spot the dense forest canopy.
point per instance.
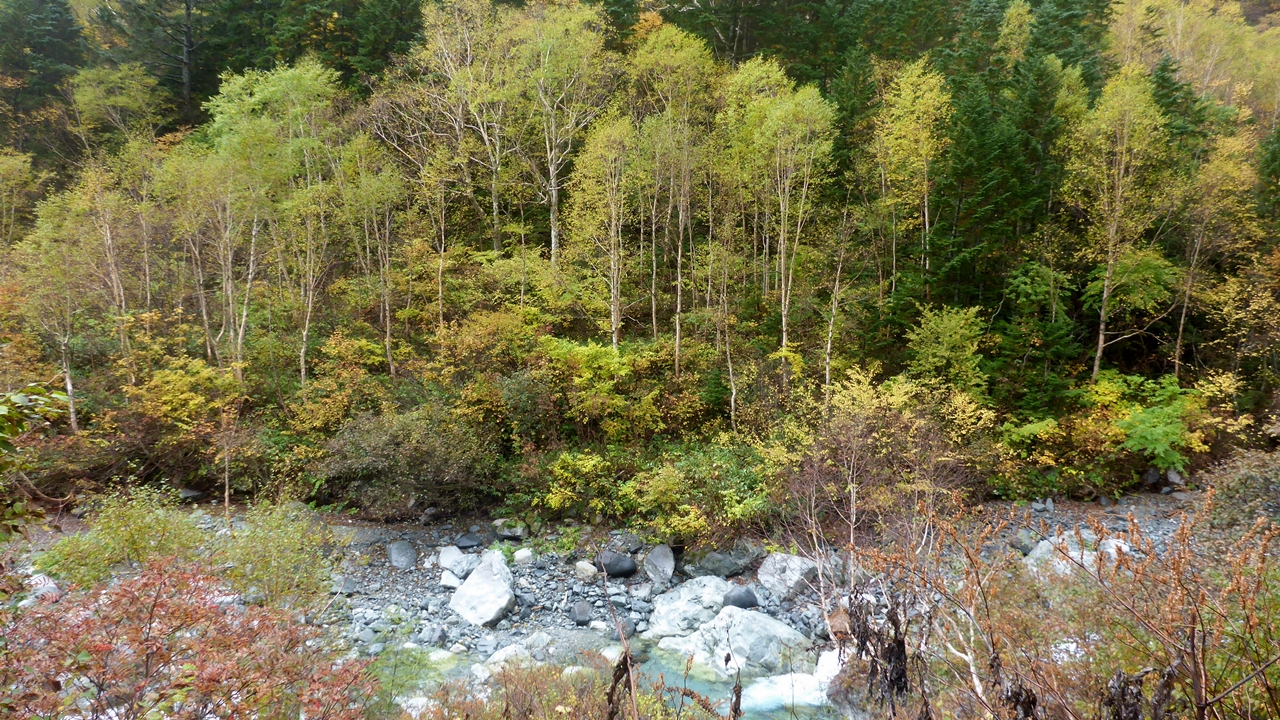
(634, 258)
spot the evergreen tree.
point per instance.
(40, 47)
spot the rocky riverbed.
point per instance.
(466, 597)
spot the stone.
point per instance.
(486, 595)
(449, 580)
(612, 654)
(480, 672)
(776, 692)
(660, 564)
(598, 625)
(1038, 506)
(469, 540)
(402, 555)
(753, 643)
(585, 571)
(786, 575)
(615, 564)
(581, 613)
(513, 654)
(724, 563)
(627, 625)
(343, 586)
(684, 609)
(434, 635)
(366, 635)
(458, 562)
(1151, 478)
(441, 656)
(507, 529)
(642, 592)
(523, 556)
(1048, 504)
(741, 596)
(1175, 478)
(187, 495)
(1024, 542)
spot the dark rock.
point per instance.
(581, 613)
(343, 586)
(466, 541)
(725, 563)
(1167, 490)
(434, 635)
(526, 599)
(741, 596)
(1104, 501)
(615, 564)
(627, 625)
(402, 555)
(1151, 478)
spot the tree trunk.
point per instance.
(72, 418)
(1102, 320)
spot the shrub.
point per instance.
(1125, 423)
(1246, 488)
(164, 644)
(130, 528)
(697, 493)
(390, 464)
(279, 556)
(581, 483)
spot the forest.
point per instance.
(604, 359)
(630, 260)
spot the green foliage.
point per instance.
(702, 493)
(281, 556)
(1124, 424)
(944, 350)
(128, 529)
(582, 483)
(391, 464)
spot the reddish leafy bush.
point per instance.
(170, 643)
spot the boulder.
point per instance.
(724, 563)
(458, 562)
(585, 571)
(752, 642)
(660, 564)
(786, 575)
(511, 654)
(449, 580)
(615, 564)
(523, 556)
(466, 541)
(402, 555)
(581, 613)
(486, 595)
(508, 529)
(741, 596)
(1175, 478)
(682, 610)
(771, 694)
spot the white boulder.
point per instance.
(458, 562)
(682, 610)
(785, 575)
(754, 643)
(486, 595)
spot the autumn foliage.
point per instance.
(171, 642)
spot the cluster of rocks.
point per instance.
(443, 589)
